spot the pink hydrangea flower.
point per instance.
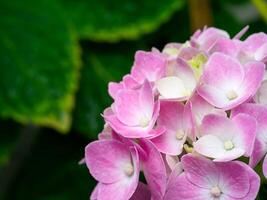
(226, 139)
(134, 113)
(205, 39)
(171, 117)
(226, 83)
(259, 112)
(254, 48)
(200, 108)
(204, 179)
(180, 82)
(115, 166)
(149, 66)
(181, 117)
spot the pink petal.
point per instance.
(183, 71)
(94, 194)
(234, 179)
(201, 108)
(148, 65)
(264, 167)
(254, 181)
(253, 78)
(135, 131)
(170, 117)
(209, 36)
(141, 192)
(106, 160)
(124, 188)
(154, 169)
(226, 46)
(248, 127)
(261, 53)
(200, 171)
(254, 41)
(182, 188)
(223, 72)
(114, 88)
(176, 171)
(133, 106)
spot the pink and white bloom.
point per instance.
(259, 112)
(171, 117)
(149, 66)
(204, 40)
(180, 82)
(115, 166)
(225, 83)
(254, 48)
(204, 179)
(134, 113)
(225, 139)
(200, 108)
(128, 82)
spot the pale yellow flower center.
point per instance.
(215, 191)
(228, 145)
(231, 95)
(128, 169)
(179, 135)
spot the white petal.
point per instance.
(171, 87)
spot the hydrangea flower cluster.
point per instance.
(183, 120)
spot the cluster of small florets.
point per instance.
(186, 117)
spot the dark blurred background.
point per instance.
(56, 58)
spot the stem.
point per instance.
(200, 14)
(23, 148)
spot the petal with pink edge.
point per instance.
(247, 133)
(200, 171)
(108, 160)
(254, 73)
(254, 180)
(209, 36)
(264, 167)
(148, 65)
(142, 192)
(182, 188)
(226, 46)
(254, 41)
(171, 117)
(135, 107)
(124, 188)
(234, 179)
(154, 169)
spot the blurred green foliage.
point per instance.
(56, 59)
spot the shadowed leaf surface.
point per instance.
(39, 64)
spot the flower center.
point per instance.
(231, 95)
(128, 169)
(144, 121)
(179, 135)
(228, 145)
(215, 191)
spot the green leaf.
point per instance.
(101, 65)
(111, 21)
(39, 63)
